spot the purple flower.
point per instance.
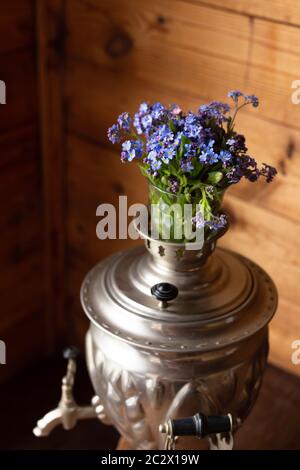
(217, 222)
(114, 133)
(253, 100)
(237, 144)
(269, 172)
(215, 110)
(124, 121)
(175, 109)
(198, 220)
(186, 165)
(230, 142)
(246, 167)
(235, 94)
(234, 175)
(173, 184)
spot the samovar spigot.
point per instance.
(68, 412)
(200, 426)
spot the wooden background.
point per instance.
(21, 206)
(71, 67)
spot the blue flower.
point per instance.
(235, 94)
(186, 165)
(168, 154)
(113, 133)
(225, 156)
(189, 150)
(131, 150)
(144, 108)
(124, 121)
(137, 124)
(164, 133)
(177, 139)
(146, 121)
(158, 111)
(173, 184)
(208, 154)
(192, 126)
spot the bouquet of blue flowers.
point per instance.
(195, 156)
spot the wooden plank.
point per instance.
(21, 226)
(21, 349)
(273, 243)
(203, 71)
(287, 11)
(285, 329)
(21, 290)
(268, 239)
(276, 47)
(21, 99)
(50, 58)
(16, 25)
(114, 32)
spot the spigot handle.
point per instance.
(198, 425)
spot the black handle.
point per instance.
(71, 352)
(200, 425)
(164, 292)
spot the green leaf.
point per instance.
(172, 126)
(214, 177)
(164, 180)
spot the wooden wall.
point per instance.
(71, 66)
(22, 321)
(120, 52)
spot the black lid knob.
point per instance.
(71, 352)
(164, 292)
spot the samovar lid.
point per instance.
(222, 299)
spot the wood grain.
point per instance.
(50, 59)
(203, 64)
(16, 25)
(287, 11)
(21, 97)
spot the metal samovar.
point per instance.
(176, 333)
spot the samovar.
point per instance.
(174, 333)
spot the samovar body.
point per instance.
(204, 351)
